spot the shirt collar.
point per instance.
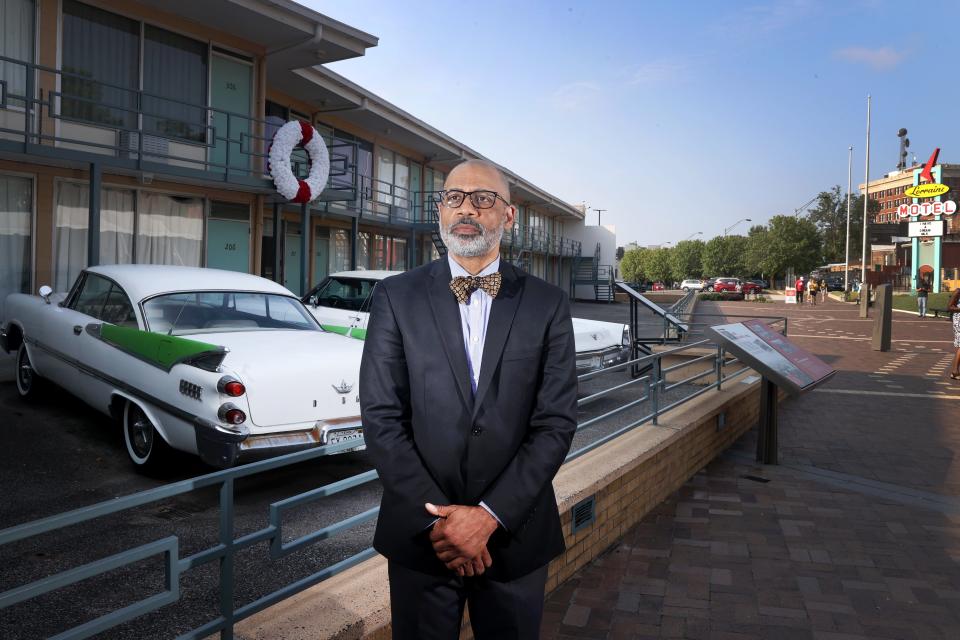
(457, 270)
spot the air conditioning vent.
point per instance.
(129, 141)
(584, 513)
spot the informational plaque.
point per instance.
(790, 295)
(771, 354)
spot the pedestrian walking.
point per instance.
(822, 287)
(813, 292)
(923, 290)
(954, 308)
(799, 287)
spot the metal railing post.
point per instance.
(28, 107)
(719, 366)
(654, 389)
(226, 562)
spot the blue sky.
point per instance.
(674, 117)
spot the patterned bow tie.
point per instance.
(464, 286)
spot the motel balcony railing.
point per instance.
(54, 115)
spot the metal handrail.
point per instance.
(240, 136)
(228, 546)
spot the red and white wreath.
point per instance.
(290, 136)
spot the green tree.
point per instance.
(725, 256)
(631, 266)
(830, 217)
(758, 252)
(790, 242)
(686, 260)
(657, 264)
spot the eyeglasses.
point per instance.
(454, 198)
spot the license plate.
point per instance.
(346, 435)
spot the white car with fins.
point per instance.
(221, 364)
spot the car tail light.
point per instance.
(231, 386)
(231, 414)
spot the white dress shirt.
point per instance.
(474, 317)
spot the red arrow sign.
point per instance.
(925, 174)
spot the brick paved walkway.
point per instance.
(856, 535)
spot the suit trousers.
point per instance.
(428, 607)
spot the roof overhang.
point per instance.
(293, 35)
(337, 95)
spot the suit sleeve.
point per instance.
(552, 424)
(386, 413)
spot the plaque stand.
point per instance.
(767, 427)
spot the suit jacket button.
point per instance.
(476, 431)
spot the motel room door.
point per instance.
(231, 91)
(291, 257)
(228, 237)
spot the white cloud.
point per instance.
(880, 59)
(576, 96)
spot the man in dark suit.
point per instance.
(468, 397)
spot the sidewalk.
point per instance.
(855, 535)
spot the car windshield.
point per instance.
(350, 294)
(217, 311)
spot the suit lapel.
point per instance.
(502, 312)
(449, 326)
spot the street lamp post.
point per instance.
(599, 211)
(735, 224)
(846, 259)
(698, 233)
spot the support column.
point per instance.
(354, 237)
(304, 247)
(93, 218)
(277, 244)
(412, 254)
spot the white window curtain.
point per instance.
(116, 230)
(340, 253)
(16, 224)
(16, 41)
(169, 230)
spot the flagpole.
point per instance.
(846, 246)
(866, 202)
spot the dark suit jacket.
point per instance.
(432, 440)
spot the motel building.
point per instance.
(138, 131)
(912, 238)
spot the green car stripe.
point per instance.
(158, 349)
(332, 328)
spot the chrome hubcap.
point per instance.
(25, 373)
(141, 434)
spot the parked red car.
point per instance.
(735, 285)
(657, 286)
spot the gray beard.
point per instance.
(471, 246)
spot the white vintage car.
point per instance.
(221, 364)
(341, 304)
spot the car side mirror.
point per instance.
(45, 292)
(314, 300)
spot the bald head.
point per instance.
(471, 175)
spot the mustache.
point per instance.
(465, 221)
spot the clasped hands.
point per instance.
(460, 535)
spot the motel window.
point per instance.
(70, 237)
(142, 228)
(392, 185)
(174, 73)
(103, 47)
(17, 42)
(102, 54)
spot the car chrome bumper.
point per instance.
(602, 358)
(222, 446)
